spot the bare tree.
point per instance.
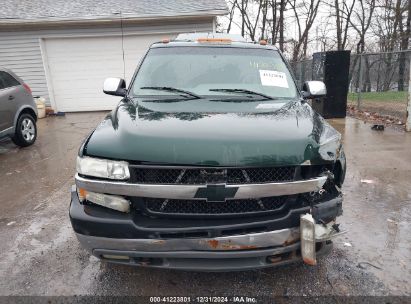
(249, 21)
(264, 8)
(273, 23)
(347, 25)
(393, 35)
(362, 21)
(343, 13)
(276, 24)
(258, 19)
(233, 5)
(244, 4)
(281, 24)
(305, 13)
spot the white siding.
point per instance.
(22, 54)
(79, 66)
(20, 50)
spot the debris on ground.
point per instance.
(11, 223)
(49, 111)
(377, 127)
(346, 244)
(362, 265)
(367, 181)
(38, 206)
(374, 117)
(57, 114)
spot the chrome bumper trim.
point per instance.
(275, 238)
(188, 192)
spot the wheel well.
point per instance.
(30, 112)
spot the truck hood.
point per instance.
(211, 133)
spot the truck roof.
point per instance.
(211, 39)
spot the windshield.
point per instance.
(209, 71)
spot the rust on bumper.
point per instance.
(276, 238)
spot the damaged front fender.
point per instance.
(340, 168)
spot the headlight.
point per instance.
(103, 168)
(330, 146)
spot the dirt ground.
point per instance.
(40, 254)
(393, 112)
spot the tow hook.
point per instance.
(311, 233)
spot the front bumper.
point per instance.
(135, 252)
(231, 245)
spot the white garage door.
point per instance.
(78, 67)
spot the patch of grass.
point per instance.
(390, 96)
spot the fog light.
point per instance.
(115, 257)
(109, 201)
(307, 230)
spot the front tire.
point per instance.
(26, 131)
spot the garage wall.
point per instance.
(20, 50)
(77, 68)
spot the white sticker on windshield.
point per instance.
(273, 79)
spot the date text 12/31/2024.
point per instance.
(203, 299)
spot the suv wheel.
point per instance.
(26, 131)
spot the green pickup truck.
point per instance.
(212, 161)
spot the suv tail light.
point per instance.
(27, 88)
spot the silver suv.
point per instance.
(18, 111)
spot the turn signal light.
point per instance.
(105, 200)
(82, 194)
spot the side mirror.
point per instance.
(115, 86)
(314, 89)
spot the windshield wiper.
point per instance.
(243, 91)
(170, 89)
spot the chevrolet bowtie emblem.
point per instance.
(216, 193)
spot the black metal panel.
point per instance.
(199, 176)
(332, 68)
(238, 207)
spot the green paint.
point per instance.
(216, 130)
(216, 137)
